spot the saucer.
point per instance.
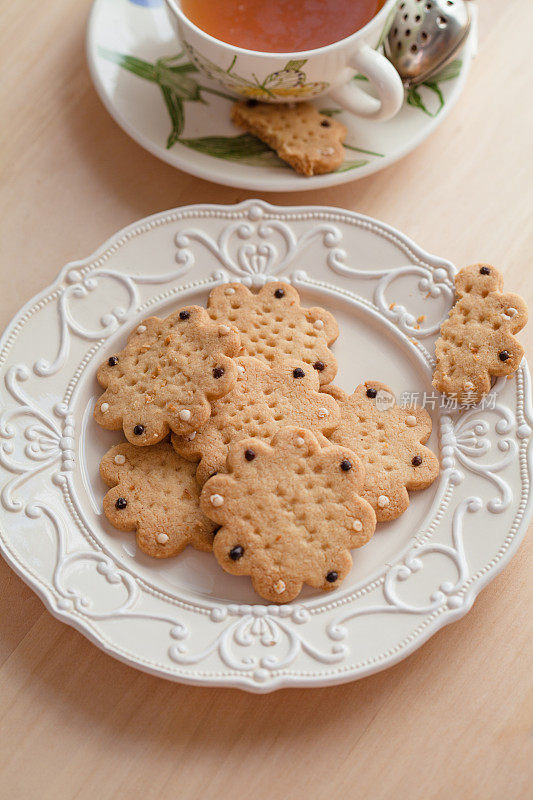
(148, 85)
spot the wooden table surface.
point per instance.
(451, 721)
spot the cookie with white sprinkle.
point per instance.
(477, 341)
(263, 400)
(389, 439)
(167, 375)
(273, 325)
(154, 492)
(290, 512)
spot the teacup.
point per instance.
(294, 77)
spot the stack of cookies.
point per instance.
(238, 442)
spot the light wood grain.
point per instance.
(451, 721)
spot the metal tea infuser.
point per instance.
(425, 35)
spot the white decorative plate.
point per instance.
(185, 618)
(149, 87)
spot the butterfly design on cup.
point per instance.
(291, 81)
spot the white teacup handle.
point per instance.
(382, 75)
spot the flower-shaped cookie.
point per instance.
(477, 340)
(155, 493)
(290, 512)
(273, 325)
(389, 441)
(166, 375)
(263, 400)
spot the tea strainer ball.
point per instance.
(425, 35)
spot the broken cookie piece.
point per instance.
(309, 141)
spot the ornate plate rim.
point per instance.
(240, 681)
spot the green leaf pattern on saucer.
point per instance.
(423, 100)
(179, 82)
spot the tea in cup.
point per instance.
(286, 52)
